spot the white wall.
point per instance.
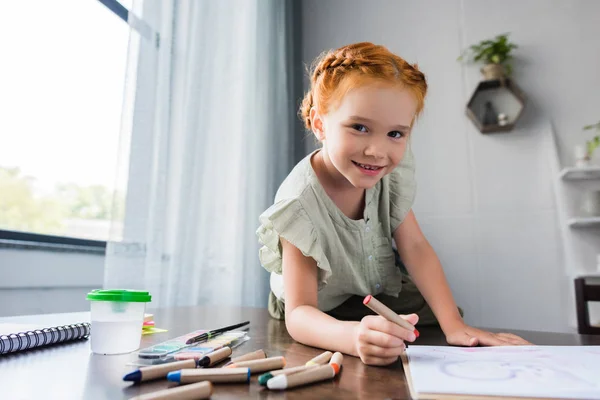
(486, 202)
(41, 282)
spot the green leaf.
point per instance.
(495, 50)
(592, 145)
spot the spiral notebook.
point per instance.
(18, 337)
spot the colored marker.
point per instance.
(264, 378)
(256, 366)
(205, 360)
(388, 314)
(337, 359)
(313, 375)
(158, 371)
(255, 355)
(216, 356)
(200, 390)
(214, 375)
(321, 359)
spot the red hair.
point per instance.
(335, 72)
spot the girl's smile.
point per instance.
(369, 170)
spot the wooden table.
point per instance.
(71, 371)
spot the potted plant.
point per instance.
(592, 144)
(495, 54)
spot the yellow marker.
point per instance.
(320, 359)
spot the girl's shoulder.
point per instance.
(296, 205)
(297, 181)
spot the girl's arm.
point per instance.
(375, 340)
(426, 270)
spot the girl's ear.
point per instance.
(316, 122)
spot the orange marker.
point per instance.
(336, 360)
(256, 366)
(255, 355)
(388, 314)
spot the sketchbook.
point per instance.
(541, 372)
(16, 337)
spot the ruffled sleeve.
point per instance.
(403, 188)
(288, 219)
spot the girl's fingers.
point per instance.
(378, 323)
(473, 337)
(381, 339)
(411, 318)
(490, 339)
(462, 338)
(513, 339)
(369, 350)
(379, 360)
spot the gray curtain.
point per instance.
(209, 132)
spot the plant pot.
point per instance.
(493, 71)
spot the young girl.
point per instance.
(327, 240)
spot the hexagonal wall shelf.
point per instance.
(493, 98)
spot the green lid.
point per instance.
(136, 296)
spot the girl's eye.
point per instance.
(396, 134)
(359, 127)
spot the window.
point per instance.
(62, 80)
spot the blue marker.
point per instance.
(158, 371)
(161, 371)
(215, 375)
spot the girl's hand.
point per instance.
(465, 335)
(378, 341)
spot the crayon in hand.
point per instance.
(388, 314)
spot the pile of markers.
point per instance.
(196, 376)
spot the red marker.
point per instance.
(388, 314)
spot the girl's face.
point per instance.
(366, 136)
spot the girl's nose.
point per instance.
(375, 151)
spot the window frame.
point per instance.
(31, 240)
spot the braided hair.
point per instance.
(353, 65)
